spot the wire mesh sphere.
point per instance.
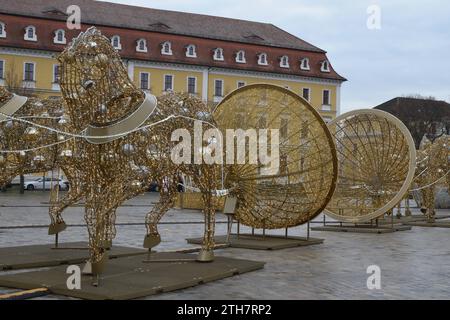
(377, 160)
(299, 180)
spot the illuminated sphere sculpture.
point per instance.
(377, 160)
(301, 180)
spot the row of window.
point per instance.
(191, 84)
(166, 49)
(29, 74)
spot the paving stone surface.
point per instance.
(414, 264)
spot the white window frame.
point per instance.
(29, 84)
(309, 94)
(240, 81)
(138, 45)
(302, 62)
(326, 107)
(195, 84)
(325, 66)
(216, 56)
(164, 83)
(26, 38)
(55, 38)
(119, 44)
(140, 81)
(3, 33)
(218, 98)
(284, 62)
(34, 71)
(194, 51)
(2, 75)
(243, 60)
(163, 46)
(55, 85)
(260, 58)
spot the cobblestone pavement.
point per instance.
(414, 264)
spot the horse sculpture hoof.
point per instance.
(95, 268)
(57, 228)
(205, 256)
(152, 240)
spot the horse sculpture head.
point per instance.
(95, 82)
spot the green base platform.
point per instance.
(37, 256)
(425, 224)
(133, 277)
(259, 242)
(362, 229)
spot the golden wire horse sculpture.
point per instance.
(433, 169)
(35, 149)
(115, 123)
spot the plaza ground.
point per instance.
(414, 264)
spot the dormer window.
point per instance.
(325, 66)
(141, 45)
(304, 64)
(30, 33)
(2, 30)
(262, 59)
(166, 48)
(218, 54)
(191, 51)
(60, 37)
(115, 41)
(284, 62)
(240, 57)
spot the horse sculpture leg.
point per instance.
(207, 252)
(166, 201)
(153, 238)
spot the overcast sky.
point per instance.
(410, 54)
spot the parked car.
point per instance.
(41, 183)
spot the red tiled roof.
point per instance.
(156, 26)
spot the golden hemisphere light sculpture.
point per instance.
(377, 160)
(300, 187)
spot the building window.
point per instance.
(284, 129)
(192, 85)
(2, 69)
(304, 64)
(240, 84)
(262, 59)
(306, 94)
(284, 62)
(2, 30)
(325, 66)
(168, 82)
(166, 48)
(144, 80)
(60, 37)
(326, 98)
(218, 54)
(28, 74)
(30, 33)
(240, 57)
(115, 41)
(191, 51)
(141, 45)
(56, 73)
(218, 88)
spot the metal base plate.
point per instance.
(362, 229)
(258, 242)
(131, 277)
(36, 256)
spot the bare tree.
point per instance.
(15, 84)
